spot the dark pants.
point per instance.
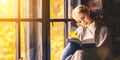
(74, 46)
(69, 49)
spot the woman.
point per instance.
(94, 37)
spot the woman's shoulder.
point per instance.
(102, 28)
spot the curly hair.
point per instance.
(83, 9)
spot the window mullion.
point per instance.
(18, 46)
(45, 30)
(66, 22)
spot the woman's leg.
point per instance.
(70, 49)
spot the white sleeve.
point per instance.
(103, 36)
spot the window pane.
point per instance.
(24, 6)
(33, 40)
(56, 39)
(7, 41)
(39, 8)
(31, 8)
(8, 8)
(56, 8)
(22, 41)
(24, 12)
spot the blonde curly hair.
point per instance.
(85, 10)
(80, 9)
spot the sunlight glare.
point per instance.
(3, 2)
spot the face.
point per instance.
(83, 19)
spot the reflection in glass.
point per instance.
(31, 8)
(39, 9)
(56, 39)
(33, 40)
(24, 12)
(7, 41)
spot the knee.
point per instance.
(79, 53)
(73, 44)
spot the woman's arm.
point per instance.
(103, 36)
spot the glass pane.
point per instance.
(33, 40)
(56, 39)
(56, 8)
(39, 9)
(24, 6)
(31, 8)
(22, 41)
(7, 41)
(8, 9)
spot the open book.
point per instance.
(86, 41)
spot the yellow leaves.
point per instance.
(8, 9)
(57, 31)
(57, 40)
(7, 40)
(56, 8)
(73, 34)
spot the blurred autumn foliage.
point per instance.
(56, 8)
(8, 31)
(7, 41)
(56, 29)
(57, 40)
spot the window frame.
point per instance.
(45, 20)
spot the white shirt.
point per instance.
(86, 35)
